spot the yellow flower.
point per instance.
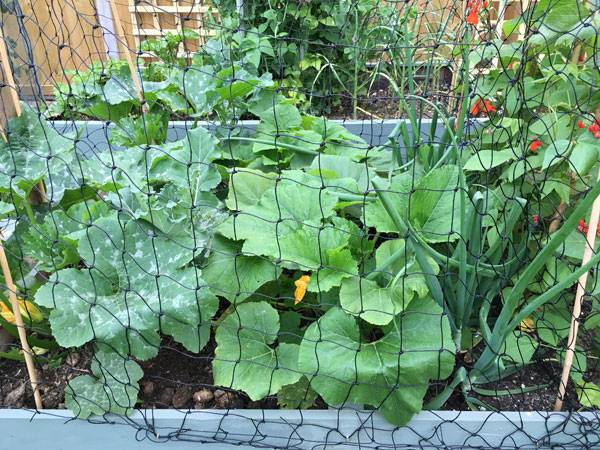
(527, 325)
(301, 286)
(29, 311)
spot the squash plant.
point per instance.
(139, 243)
(441, 243)
(120, 260)
(325, 267)
(208, 88)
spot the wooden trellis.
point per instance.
(156, 18)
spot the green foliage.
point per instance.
(113, 387)
(245, 357)
(331, 46)
(166, 47)
(373, 373)
(36, 152)
(327, 269)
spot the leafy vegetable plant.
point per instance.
(320, 267)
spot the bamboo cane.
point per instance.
(9, 78)
(574, 328)
(14, 97)
(14, 302)
(137, 84)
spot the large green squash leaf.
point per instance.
(400, 191)
(435, 205)
(36, 152)
(189, 225)
(190, 166)
(431, 204)
(246, 358)
(392, 373)
(186, 163)
(289, 224)
(53, 243)
(378, 302)
(132, 288)
(233, 275)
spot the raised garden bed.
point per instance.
(238, 421)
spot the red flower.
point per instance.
(536, 219)
(597, 135)
(580, 124)
(583, 227)
(535, 145)
(482, 107)
(473, 15)
(489, 107)
(594, 128)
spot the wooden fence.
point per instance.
(64, 35)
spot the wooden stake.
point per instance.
(137, 84)
(14, 97)
(9, 78)
(14, 302)
(581, 283)
(12, 289)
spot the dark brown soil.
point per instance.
(511, 394)
(16, 392)
(179, 379)
(381, 102)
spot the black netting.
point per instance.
(303, 223)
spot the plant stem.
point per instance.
(29, 211)
(355, 44)
(507, 320)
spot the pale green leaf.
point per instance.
(485, 160)
(391, 374)
(245, 358)
(583, 157)
(233, 275)
(112, 388)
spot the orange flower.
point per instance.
(473, 15)
(535, 145)
(482, 107)
(301, 287)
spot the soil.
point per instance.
(179, 379)
(381, 102)
(15, 391)
(510, 394)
